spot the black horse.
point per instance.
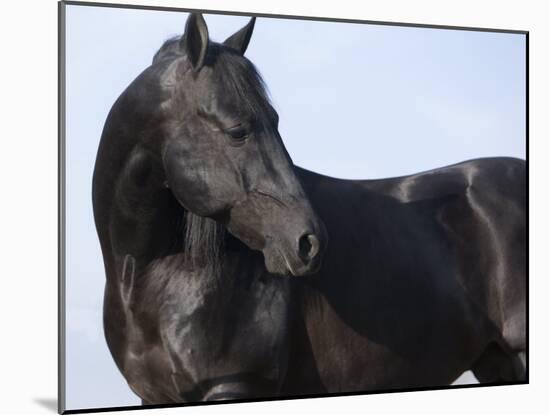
(232, 273)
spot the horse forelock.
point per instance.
(169, 49)
(244, 80)
(236, 74)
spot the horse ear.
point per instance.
(239, 41)
(195, 40)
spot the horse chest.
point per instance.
(211, 331)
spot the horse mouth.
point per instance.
(288, 265)
(294, 268)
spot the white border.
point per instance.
(29, 195)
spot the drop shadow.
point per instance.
(48, 403)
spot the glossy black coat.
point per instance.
(319, 284)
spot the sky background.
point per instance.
(354, 101)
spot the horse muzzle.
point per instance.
(302, 256)
(292, 238)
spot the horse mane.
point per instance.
(203, 243)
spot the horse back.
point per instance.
(438, 252)
(479, 207)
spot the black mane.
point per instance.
(203, 242)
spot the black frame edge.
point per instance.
(292, 17)
(61, 208)
(290, 398)
(527, 201)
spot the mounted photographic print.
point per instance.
(278, 207)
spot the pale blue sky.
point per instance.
(354, 100)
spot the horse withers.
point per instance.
(231, 273)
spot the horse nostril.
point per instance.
(308, 246)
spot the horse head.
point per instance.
(221, 152)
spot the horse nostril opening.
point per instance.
(308, 246)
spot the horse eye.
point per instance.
(237, 133)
